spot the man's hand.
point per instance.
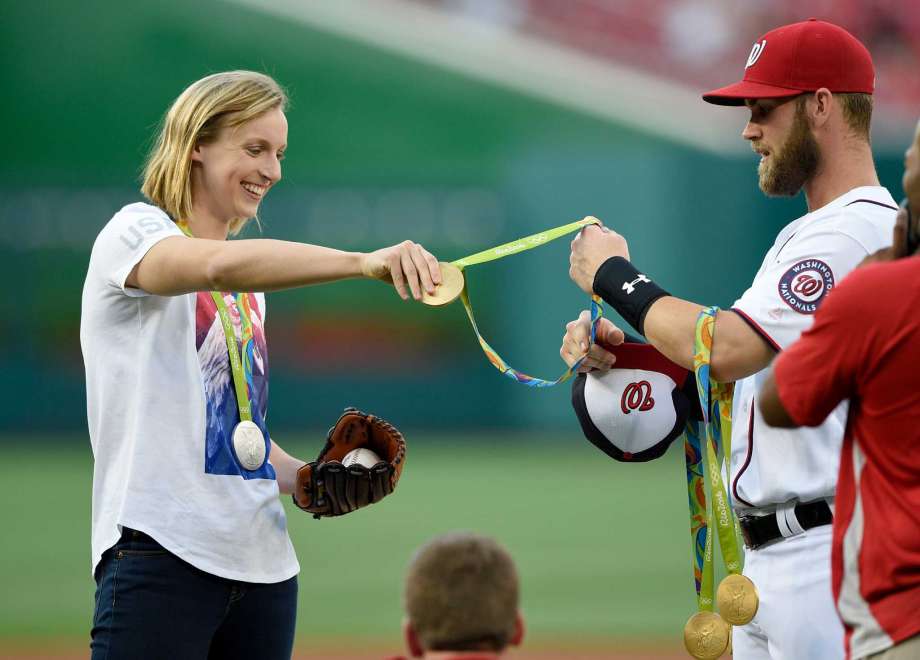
(592, 247)
(578, 335)
(408, 266)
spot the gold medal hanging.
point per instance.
(737, 599)
(706, 635)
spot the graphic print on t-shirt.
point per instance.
(220, 396)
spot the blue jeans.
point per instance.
(151, 604)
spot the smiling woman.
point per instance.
(186, 508)
(228, 113)
(239, 167)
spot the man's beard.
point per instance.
(795, 163)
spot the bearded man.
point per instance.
(808, 88)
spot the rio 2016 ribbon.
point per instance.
(737, 597)
(454, 285)
(710, 442)
(248, 439)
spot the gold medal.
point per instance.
(449, 289)
(706, 635)
(737, 599)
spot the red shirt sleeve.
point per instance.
(819, 370)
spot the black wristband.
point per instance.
(627, 290)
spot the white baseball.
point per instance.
(361, 456)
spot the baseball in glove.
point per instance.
(325, 487)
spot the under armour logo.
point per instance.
(629, 287)
(756, 52)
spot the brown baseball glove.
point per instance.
(325, 487)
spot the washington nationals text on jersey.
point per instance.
(811, 255)
(865, 346)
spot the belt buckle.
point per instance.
(743, 521)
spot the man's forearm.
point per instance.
(669, 323)
(737, 351)
(670, 326)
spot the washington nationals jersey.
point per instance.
(809, 258)
(161, 408)
(865, 346)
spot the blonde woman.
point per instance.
(190, 548)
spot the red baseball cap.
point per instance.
(801, 57)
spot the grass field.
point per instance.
(602, 547)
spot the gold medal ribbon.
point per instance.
(737, 597)
(454, 287)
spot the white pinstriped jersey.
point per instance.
(810, 256)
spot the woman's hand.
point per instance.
(407, 266)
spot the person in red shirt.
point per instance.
(865, 347)
(461, 600)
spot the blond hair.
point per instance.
(462, 594)
(207, 106)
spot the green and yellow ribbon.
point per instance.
(714, 432)
(506, 250)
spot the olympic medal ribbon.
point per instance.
(247, 438)
(518, 376)
(699, 518)
(523, 244)
(247, 336)
(506, 250)
(241, 379)
(737, 597)
(706, 634)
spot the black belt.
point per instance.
(760, 530)
(128, 534)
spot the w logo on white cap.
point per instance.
(756, 52)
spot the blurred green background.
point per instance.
(381, 148)
(602, 548)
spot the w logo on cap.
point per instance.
(637, 396)
(756, 52)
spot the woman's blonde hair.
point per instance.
(206, 107)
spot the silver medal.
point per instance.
(249, 445)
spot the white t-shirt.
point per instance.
(811, 255)
(161, 408)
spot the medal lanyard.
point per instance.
(506, 250)
(241, 368)
(715, 402)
